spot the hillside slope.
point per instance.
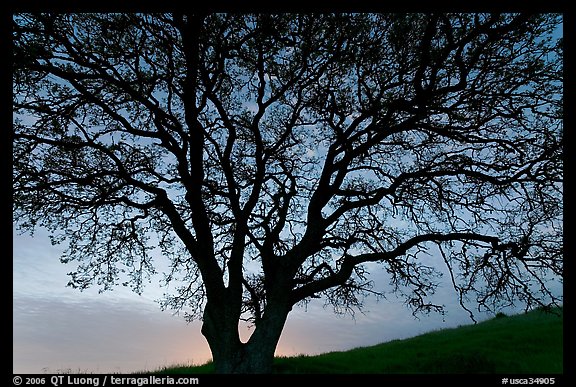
(526, 343)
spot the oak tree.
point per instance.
(265, 160)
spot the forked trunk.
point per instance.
(231, 356)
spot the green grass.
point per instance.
(530, 343)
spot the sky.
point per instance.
(60, 329)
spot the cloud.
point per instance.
(58, 328)
(108, 334)
(100, 336)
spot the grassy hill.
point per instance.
(526, 343)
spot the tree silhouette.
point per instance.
(272, 159)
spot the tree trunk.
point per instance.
(231, 356)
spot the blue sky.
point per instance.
(56, 328)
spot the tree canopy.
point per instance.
(269, 159)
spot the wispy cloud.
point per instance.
(58, 328)
(100, 336)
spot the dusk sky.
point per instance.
(60, 329)
(56, 328)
